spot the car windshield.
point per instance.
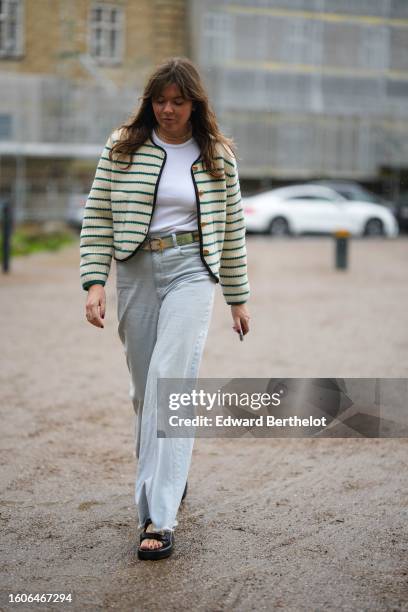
(361, 196)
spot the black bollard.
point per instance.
(6, 223)
(341, 242)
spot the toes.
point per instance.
(151, 544)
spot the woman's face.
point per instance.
(171, 110)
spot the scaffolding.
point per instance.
(308, 88)
(50, 127)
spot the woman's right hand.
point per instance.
(95, 305)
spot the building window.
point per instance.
(106, 33)
(11, 31)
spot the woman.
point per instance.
(166, 204)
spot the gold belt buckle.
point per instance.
(159, 240)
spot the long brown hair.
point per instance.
(182, 72)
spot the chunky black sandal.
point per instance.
(185, 492)
(152, 554)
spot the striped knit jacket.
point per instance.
(120, 205)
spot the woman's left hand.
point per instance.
(240, 315)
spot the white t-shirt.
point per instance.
(175, 209)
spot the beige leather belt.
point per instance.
(164, 242)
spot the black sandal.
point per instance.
(152, 554)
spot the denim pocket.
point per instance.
(189, 249)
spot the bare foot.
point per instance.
(150, 543)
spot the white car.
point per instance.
(75, 209)
(302, 209)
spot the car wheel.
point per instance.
(374, 227)
(279, 227)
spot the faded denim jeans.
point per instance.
(164, 307)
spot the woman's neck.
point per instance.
(171, 138)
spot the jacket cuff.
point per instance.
(86, 286)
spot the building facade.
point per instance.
(308, 88)
(69, 73)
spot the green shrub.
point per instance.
(26, 240)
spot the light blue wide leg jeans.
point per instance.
(165, 301)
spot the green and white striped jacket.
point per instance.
(120, 205)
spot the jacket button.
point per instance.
(201, 192)
(195, 167)
(203, 223)
(205, 251)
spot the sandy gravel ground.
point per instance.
(268, 524)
